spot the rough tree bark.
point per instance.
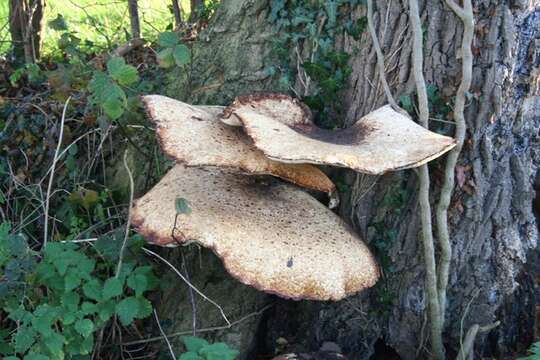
(26, 24)
(493, 227)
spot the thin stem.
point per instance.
(128, 224)
(51, 178)
(425, 207)
(171, 351)
(443, 235)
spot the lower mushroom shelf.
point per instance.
(269, 234)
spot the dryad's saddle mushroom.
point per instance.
(383, 140)
(269, 234)
(193, 135)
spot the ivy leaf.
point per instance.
(84, 327)
(127, 310)
(193, 343)
(58, 24)
(168, 39)
(181, 54)
(120, 71)
(112, 288)
(165, 58)
(182, 206)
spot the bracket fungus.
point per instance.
(269, 234)
(383, 140)
(193, 135)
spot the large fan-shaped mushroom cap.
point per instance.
(383, 140)
(269, 234)
(193, 135)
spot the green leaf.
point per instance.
(24, 339)
(193, 343)
(219, 351)
(138, 283)
(70, 301)
(33, 357)
(181, 54)
(55, 344)
(84, 327)
(93, 289)
(145, 308)
(112, 287)
(168, 39)
(182, 206)
(190, 356)
(406, 102)
(106, 310)
(113, 107)
(165, 58)
(88, 308)
(72, 281)
(121, 72)
(127, 310)
(58, 24)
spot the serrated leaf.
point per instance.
(182, 206)
(33, 357)
(24, 339)
(112, 287)
(193, 343)
(145, 308)
(106, 310)
(168, 39)
(84, 327)
(71, 301)
(72, 281)
(55, 344)
(120, 71)
(138, 283)
(93, 289)
(127, 310)
(113, 107)
(165, 58)
(88, 308)
(181, 54)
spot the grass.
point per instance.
(101, 23)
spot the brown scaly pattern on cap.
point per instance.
(278, 106)
(383, 140)
(270, 235)
(194, 136)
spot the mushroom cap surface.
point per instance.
(193, 135)
(381, 141)
(269, 234)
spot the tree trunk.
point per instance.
(133, 8)
(493, 225)
(177, 14)
(26, 24)
(197, 6)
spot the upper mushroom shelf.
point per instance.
(383, 140)
(193, 135)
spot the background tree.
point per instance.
(26, 24)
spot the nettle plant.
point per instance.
(200, 349)
(58, 298)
